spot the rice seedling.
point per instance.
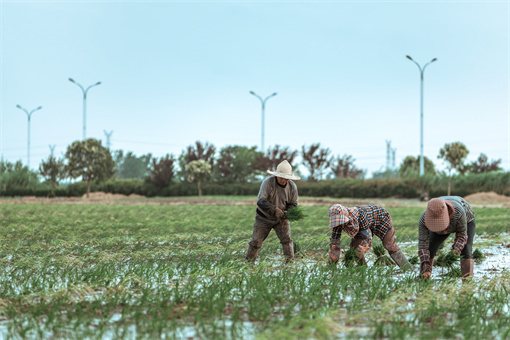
(295, 214)
(350, 259)
(382, 259)
(446, 260)
(477, 254)
(152, 271)
(414, 259)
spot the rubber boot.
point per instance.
(288, 251)
(334, 250)
(401, 260)
(251, 254)
(466, 268)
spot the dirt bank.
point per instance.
(487, 197)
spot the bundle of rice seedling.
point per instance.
(454, 273)
(382, 259)
(477, 254)
(446, 260)
(350, 259)
(295, 214)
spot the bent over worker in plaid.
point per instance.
(446, 215)
(360, 223)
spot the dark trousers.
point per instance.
(435, 241)
(262, 227)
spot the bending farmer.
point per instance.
(443, 216)
(277, 194)
(360, 223)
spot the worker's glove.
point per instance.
(279, 214)
(425, 263)
(425, 275)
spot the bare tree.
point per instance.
(482, 165)
(161, 172)
(316, 160)
(343, 167)
(275, 156)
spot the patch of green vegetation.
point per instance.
(478, 255)
(153, 271)
(295, 214)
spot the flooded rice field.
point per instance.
(178, 272)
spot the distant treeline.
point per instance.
(238, 170)
(498, 182)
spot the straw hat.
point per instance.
(284, 170)
(436, 215)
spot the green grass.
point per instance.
(150, 271)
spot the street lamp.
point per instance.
(263, 102)
(422, 70)
(84, 104)
(29, 115)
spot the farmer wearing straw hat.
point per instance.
(360, 223)
(446, 215)
(278, 193)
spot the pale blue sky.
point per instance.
(176, 72)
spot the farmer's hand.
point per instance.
(279, 214)
(425, 275)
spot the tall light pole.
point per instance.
(422, 70)
(84, 104)
(263, 103)
(29, 115)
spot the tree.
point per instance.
(454, 155)
(482, 165)
(90, 160)
(199, 170)
(275, 156)
(16, 176)
(196, 152)
(161, 173)
(54, 170)
(410, 166)
(316, 160)
(236, 164)
(343, 167)
(131, 166)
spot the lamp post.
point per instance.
(422, 70)
(84, 103)
(263, 103)
(29, 115)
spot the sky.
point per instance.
(176, 72)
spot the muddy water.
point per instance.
(497, 259)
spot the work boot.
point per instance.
(288, 251)
(334, 250)
(466, 268)
(401, 260)
(251, 254)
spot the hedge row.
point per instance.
(355, 188)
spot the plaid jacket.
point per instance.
(462, 215)
(367, 217)
(372, 217)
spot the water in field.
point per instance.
(107, 272)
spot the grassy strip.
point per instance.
(160, 271)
